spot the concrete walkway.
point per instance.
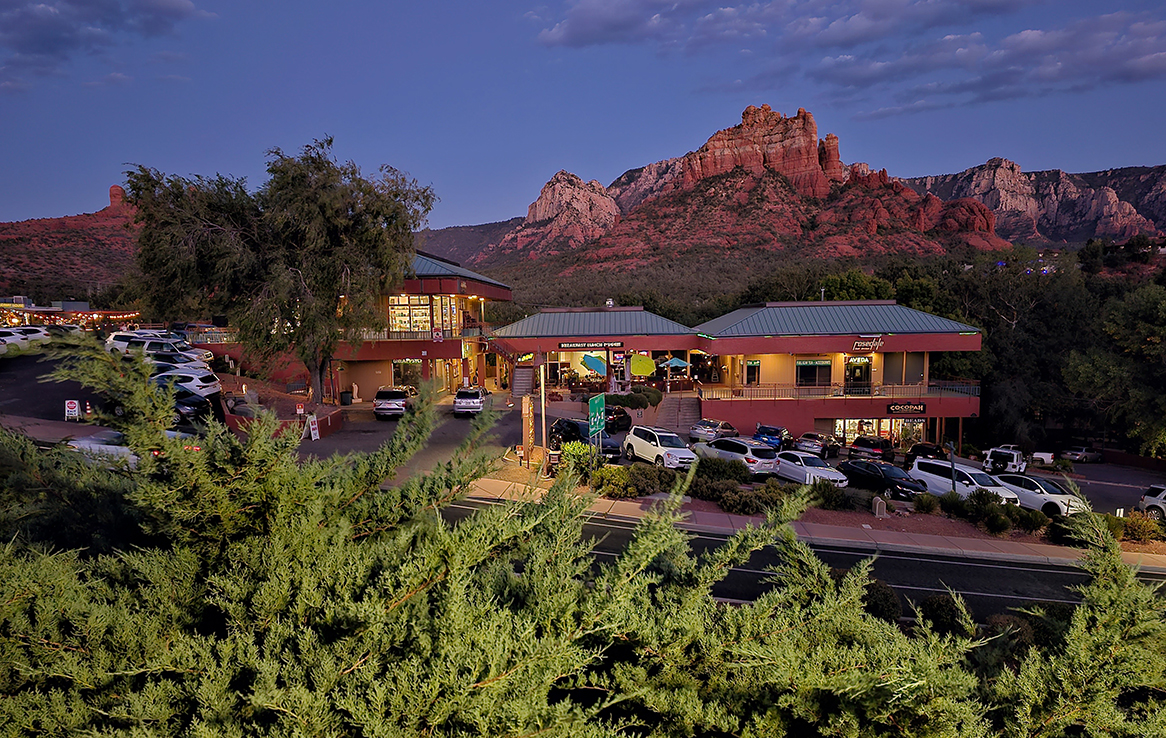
(874, 541)
(47, 431)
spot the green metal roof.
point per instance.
(567, 323)
(425, 265)
(828, 319)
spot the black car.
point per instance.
(616, 419)
(871, 447)
(565, 430)
(924, 450)
(881, 476)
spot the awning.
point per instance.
(675, 363)
(642, 366)
(595, 364)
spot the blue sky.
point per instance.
(485, 101)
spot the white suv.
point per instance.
(659, 446)
(470, 401)
(938, 477)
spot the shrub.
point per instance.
(631, 400)
(1116, 525)
(1015, 631)
(1050, 626)
(926, 503)
(943, 613)
(824, 495)
(954, 505)
(751, 500)
(882, 601)
(650, 480)
(1031, 521)
(1063, 465)
(997, 523)
(981, 504)
(579, 458)
(1060, 532)
(612, 481)
(1012, 512)
(714, 490)
(1141, 528)
(654, 395)
(724, 469)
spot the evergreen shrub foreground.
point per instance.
(235, 591)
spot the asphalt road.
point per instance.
(989, 587)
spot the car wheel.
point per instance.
(1051, 510)
(1154, 513)
(660, 461)
(628, 453)
(175, 419)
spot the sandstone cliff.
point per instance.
(1053, 206)
(69, 257)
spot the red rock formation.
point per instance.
(828, 159)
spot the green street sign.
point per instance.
(595, 414)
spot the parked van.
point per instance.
(937, 475)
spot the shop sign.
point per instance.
(438, 335)
(753, 362)
(857, 359)
(906, 408)
(406, 361)
(570, 345)
(813, 362)
(866, 345)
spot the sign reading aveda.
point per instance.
(866, 345)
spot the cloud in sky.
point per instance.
(914, 54)
(38, 38)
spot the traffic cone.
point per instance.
(88, 409)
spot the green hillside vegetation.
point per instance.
(234, 591)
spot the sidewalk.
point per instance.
(47, 431)
(874, 541)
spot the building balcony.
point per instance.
(934, 389)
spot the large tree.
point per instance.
(299, 265)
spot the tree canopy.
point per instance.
(299, 265)
(236, 591)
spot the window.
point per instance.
(813, 372)
(410, 313)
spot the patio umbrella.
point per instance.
(595, 364)
(675, 363)
(642, 366)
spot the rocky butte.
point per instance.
(768, 182)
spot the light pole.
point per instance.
(951, 457)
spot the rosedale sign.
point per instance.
(867, 345)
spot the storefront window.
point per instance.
(813, 372)
(409, 313)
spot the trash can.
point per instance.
(346, 398)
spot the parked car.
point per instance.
(759, 457)
(924, 450)
(1042, 494)
(566, 430)
(776, 436)
(198, 381)
(170, 345)
(819, 444)
(392, 402)
(938, 476)
(64, 329)
(804, 468)
(14, 339)
(871, 447)
(1004, 459)
(34, 333)
(1153, 502)
(616, 419)
(471, 401)
(176, 358)
(1082, 455)
(707, 430)
(111, 445)
(882, 477)
(659, 446)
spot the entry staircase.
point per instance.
(522, 381)
(678, 413)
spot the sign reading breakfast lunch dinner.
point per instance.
(866, 345)
(566, 345)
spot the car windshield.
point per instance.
(768, 430)
(670, 441)
(1051, 487)
(983, 479)
(183, 346)
(390, 395)
(466, 395)
(894, 472)
(814, 461)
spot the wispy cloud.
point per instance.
(908, 55)
(39, 38)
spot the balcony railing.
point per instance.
(851, 389)
(447, 334)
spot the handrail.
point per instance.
(848, 390)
